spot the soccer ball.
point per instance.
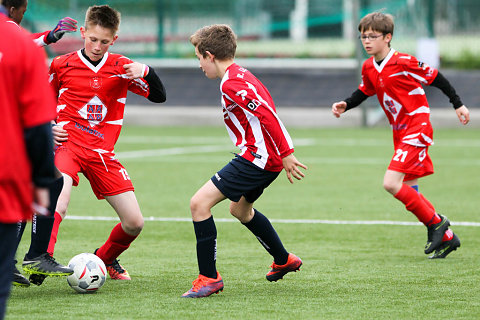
(88, 273)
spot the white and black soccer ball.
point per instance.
(89, 273)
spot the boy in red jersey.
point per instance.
(265, 149)
(92, 86)
(26, 155)
(37, 262)
(396, 78)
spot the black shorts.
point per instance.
(240, 178)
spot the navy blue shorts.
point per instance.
(240, 178)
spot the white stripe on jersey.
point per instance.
(418, 91)
(406, 73)
(116, 122)
(421, 109)
(122, 100)
(61, 91)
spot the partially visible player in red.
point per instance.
(26, 155)
(265, 147)
(16, 10)
(397, 78)
(91, 85)
(37, 262)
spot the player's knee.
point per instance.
(61, 208)
(390, 187)
(200, 209)
(133, 227)
(196, 206)
(242, 215)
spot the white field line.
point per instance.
(381, 142)
(156, 154)
(287, 221)
(186, 150)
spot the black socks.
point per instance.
(42, 225)
(261, 227)
(206, 234)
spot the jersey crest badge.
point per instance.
(96, 83)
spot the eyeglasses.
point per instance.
(370, 37)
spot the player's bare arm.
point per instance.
(338, 108)
(291, 164)
(463, 114)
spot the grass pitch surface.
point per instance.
(362, 252)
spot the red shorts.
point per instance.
(106, 174)
(411, 160)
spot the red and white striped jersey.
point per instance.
(251, 120)
(398, 81)
(91, 99)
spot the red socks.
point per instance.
(447, 236)
(118, 242)
(418, 205)
(53, 236)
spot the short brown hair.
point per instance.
(218, 39)
(377, 21)
(103, 16)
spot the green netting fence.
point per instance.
(274, 28)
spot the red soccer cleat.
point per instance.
(278, 271)
(117, 272)
(203, 287)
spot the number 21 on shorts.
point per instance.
(400, 155)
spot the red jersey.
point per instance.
(251, 120)
(398, 81)
(91, 99)
(26, 101)
(39, 38)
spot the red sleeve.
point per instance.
(36, 97)
(53, 77)
(41, 38)
(247, 97)
(366, 86)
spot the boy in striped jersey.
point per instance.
(265, 149)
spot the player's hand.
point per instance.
(136, 70)
(59, 134)
(463, 115)
(63, 26)
(41, 201)
(338, 108)
(291, 164)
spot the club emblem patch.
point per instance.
(96, 83)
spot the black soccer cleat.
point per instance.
(446, 247)
(435, 234)
(19, 279)
(37, 279)
(45, 265)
